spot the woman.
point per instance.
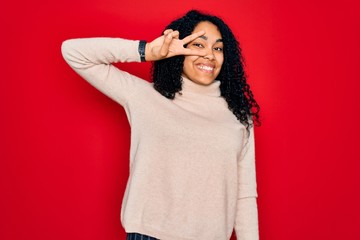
(192, 165)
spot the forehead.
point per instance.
(209, 28)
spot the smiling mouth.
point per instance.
(205, 68)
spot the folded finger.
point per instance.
(175, 34)
(165, 46)
(167, 31)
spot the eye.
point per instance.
(199, 45)
(220, 49)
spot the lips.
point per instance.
(205, 68)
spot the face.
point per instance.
(204, 69)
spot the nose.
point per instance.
(209, 54)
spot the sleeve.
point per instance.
(92, 59)
(246, 222)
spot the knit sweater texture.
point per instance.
(192, 165)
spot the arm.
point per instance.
(92, 59)
(246, 222)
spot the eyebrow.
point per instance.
(206, 38)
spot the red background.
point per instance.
(64, 145)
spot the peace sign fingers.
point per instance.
(169, 45)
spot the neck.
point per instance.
(213, 89)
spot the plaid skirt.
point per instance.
(138, 236)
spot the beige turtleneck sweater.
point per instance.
(192, 167)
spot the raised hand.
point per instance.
(169, 45)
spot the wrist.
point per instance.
(141, 50)
(147, 52)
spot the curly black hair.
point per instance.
(167, 73)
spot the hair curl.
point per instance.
(167, 73)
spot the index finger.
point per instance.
(193, 36)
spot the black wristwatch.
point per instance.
(141, 50)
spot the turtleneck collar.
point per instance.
(212, 89)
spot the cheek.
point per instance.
(220, 60)
(188, 62)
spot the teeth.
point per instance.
(206, 67)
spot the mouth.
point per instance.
(205, 68)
